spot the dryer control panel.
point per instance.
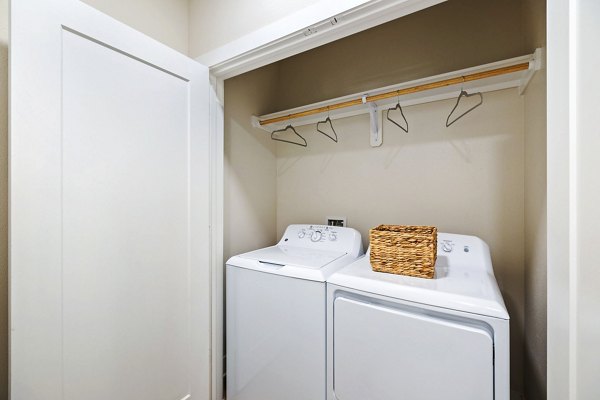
(334, 238)
(468, 252)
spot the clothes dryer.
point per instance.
(399, 337)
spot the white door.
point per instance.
(109, 210)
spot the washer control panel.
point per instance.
(324, 237)
(319, 233)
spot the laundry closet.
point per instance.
(484, 175)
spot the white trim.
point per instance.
(561, 195)
(216, 232)
(308, 28)
(288, 25)
(573, 264)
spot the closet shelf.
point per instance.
(512, 73)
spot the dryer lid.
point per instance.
(300, 257)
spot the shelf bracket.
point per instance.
(534, 65)
(255, 121)
(376, 134)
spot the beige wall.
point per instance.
(215, 23)
(163, 20)
(464, 179)
(250, 173)
(446, 37)
(535, 212)
(535, 238)
(3, 199)
(449, 36)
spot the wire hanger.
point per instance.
(325, 121)
(273, 137)
(462, 94)
(398, 107)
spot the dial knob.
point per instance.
(447, 247)
(302, 233)
(332, 237)
(316, 236)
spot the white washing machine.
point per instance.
(276, 313)
(399, 337)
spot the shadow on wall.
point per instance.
(3, 215)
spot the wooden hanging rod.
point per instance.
(414, 89)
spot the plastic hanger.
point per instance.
(273, 137)
(462, 94)
(398, 107)
(325, 121)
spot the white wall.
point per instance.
(587, 192)
(164, 20)
(573, 198)
(215, 23)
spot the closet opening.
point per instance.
(468, 157)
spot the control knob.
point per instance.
(301, 234)
(316, 236)
(447, 247)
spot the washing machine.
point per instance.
(276, 313)
(399, 337)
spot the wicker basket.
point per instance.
(404, 250)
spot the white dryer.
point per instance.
(276, 313)
(399, 337)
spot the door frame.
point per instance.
(309, 28)
(561, 198)
(572, 197)
(323, 22)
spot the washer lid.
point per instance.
(455, 287)
(293, 256)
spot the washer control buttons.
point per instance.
(316, 236)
